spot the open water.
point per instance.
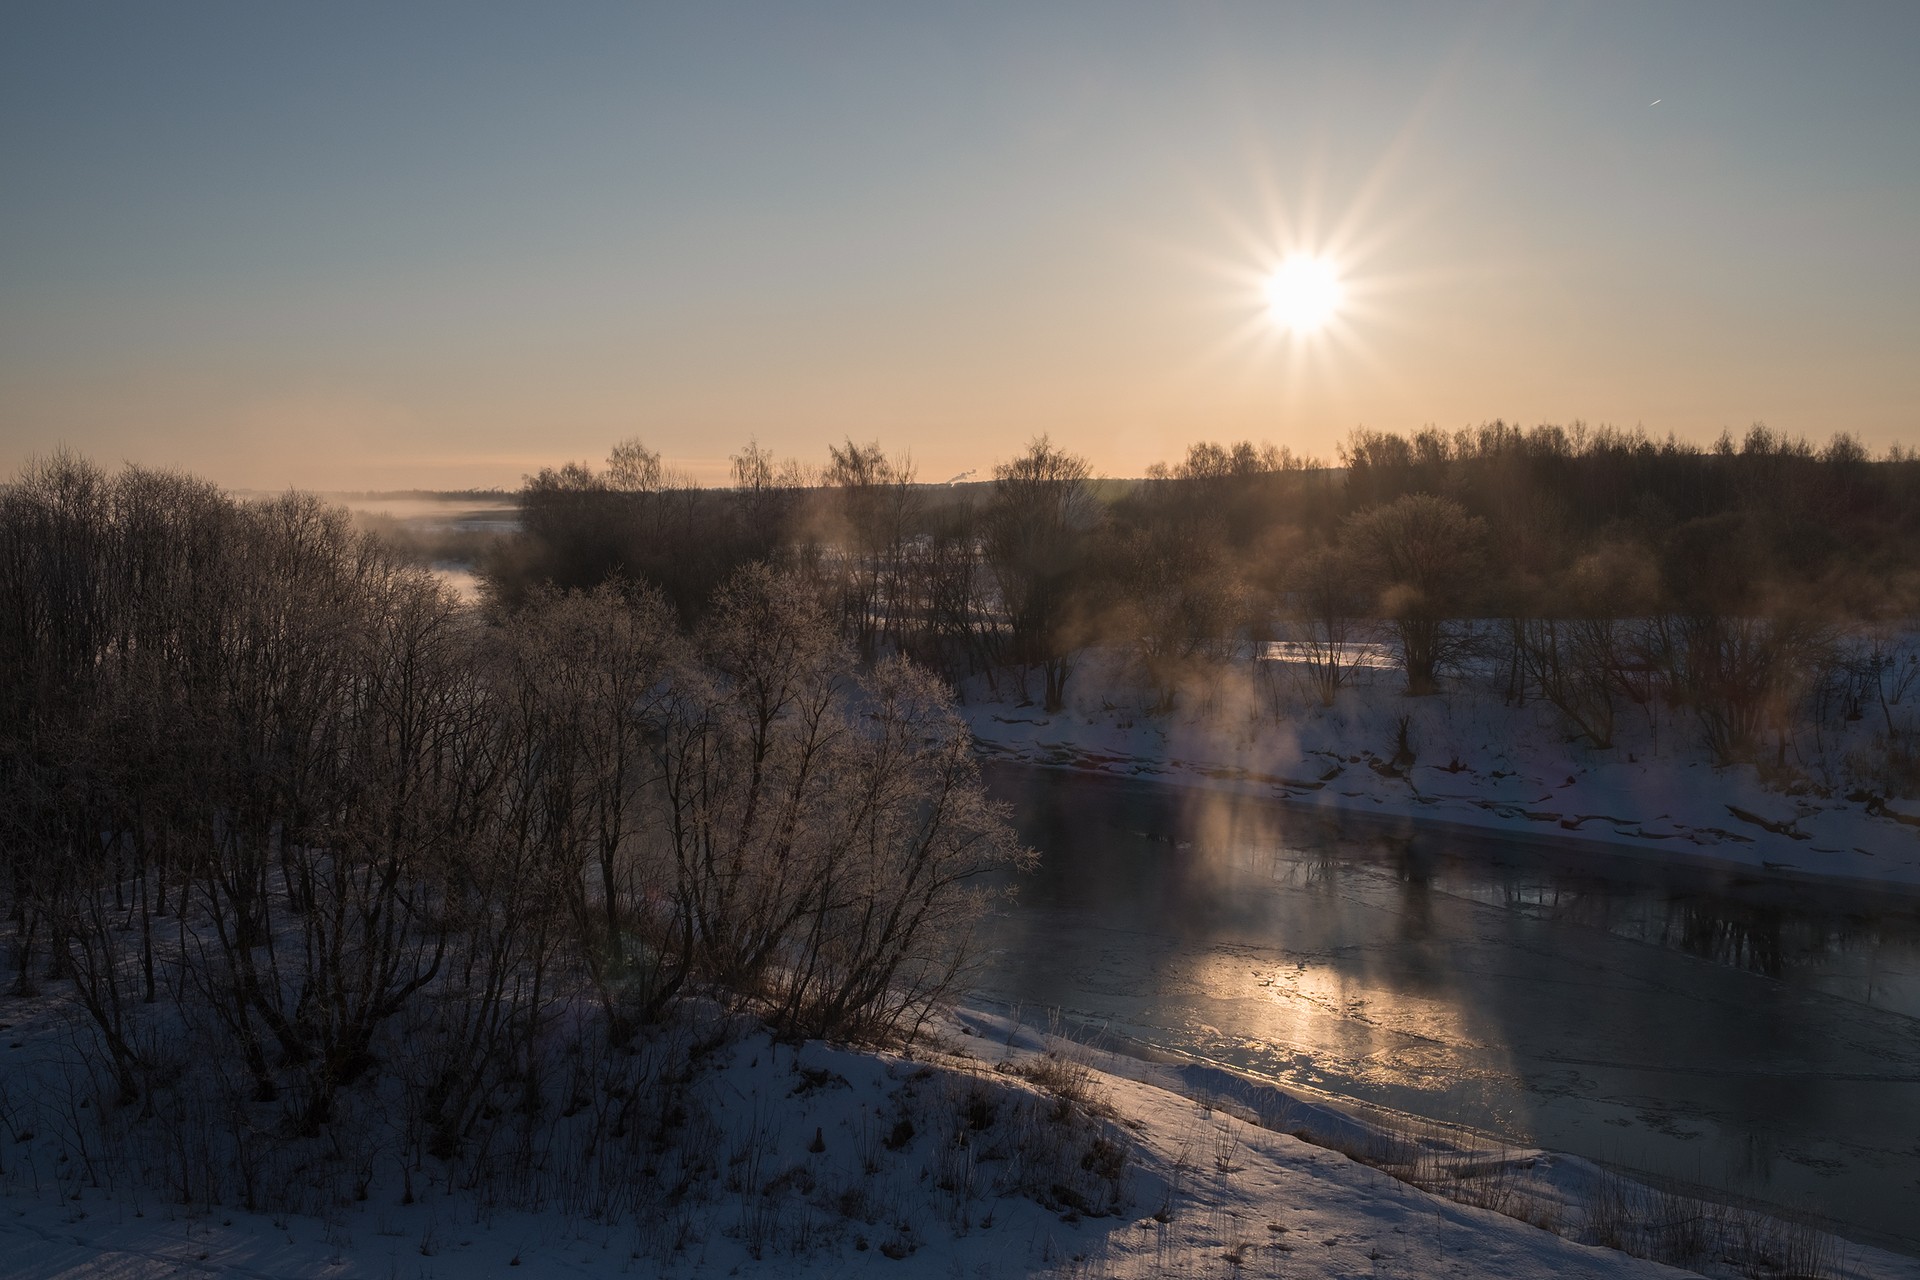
(1754, 1040)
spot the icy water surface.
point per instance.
(1736, 1036)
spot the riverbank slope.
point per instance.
(1466, 758)
(992, 1150)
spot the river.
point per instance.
(1738, 1037)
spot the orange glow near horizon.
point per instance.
(948, 231)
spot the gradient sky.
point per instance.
(396, 245)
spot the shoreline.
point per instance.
(1072, 1159)
(1359, 820)
(1328, 1120)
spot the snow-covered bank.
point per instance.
(1466, 759)
(991, 1151)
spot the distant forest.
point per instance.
(1751, 581)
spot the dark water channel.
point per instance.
(1737, 1036)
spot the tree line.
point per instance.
(268, 794)
(1599, 569)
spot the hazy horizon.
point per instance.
(440, 247)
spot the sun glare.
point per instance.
(1303, 294)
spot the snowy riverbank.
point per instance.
(993, 1151)
(1464, 758)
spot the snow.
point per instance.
(993, 1149)
(1480, 765)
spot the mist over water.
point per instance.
(1760, 1042)
(440, 513)
(449, 534)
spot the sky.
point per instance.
(381, 246)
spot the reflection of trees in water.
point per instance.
(1560, 901)
(1218, 842)
(1416, 898)
(1554, 901)
(1324, 867)
(1758, 937)
(1749, 938)
(1755, 937)
(1762, 939)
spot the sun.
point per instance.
(1304, 293)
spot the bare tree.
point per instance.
(1422, 554)
(1325, 604)
(767, 497)
(875, 501)
(589, 668)
(1182, 603)
(745, 745)
(944, 569)
(55, 620)
(634, 468)
(888, 918)
(1036, 544)
(1731, 645)
(1579, 644)
(1743, 676)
